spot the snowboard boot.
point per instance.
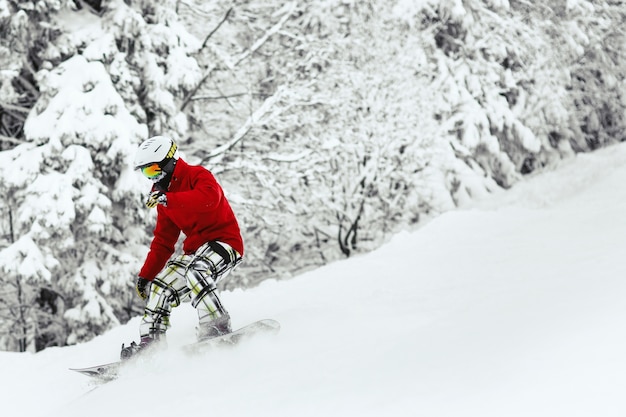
(218, 327)
(146, 344)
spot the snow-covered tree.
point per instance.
(105, 82)
(508, 75)
(330, 123)
(71, 188)
(351, 119)
(25, 275)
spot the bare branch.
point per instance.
(216, 28)
(219, 90)
(196, 88)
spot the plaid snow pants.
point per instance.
(186, 277)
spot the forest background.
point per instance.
(331, 124)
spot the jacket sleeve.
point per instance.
(205, 195)
(162, 247)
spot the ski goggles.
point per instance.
(152, 171)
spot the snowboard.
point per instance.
(109, 371)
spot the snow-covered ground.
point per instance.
(513, 307)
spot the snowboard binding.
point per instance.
(129, 351)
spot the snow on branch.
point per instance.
(231, 65)
(194, 8)
(11, 140)
(275, 29)
(253, 120)
(15, 108)
(287, 158)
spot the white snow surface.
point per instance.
(514, 306)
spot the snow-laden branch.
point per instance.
(15, 108)
(231, 65)
(275, 29)
(252, 121)
(11, 140)
(194, 9)
(222, 97)
(287, 158)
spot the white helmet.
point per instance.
(155, 150)
(156, 157)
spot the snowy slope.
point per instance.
(513, 307)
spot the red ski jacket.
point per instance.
(196, 206)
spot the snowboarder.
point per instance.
(188, 199)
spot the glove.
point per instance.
(156, 197)
(142, 287)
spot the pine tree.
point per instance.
(70, 187)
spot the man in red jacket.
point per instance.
(188, 199)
